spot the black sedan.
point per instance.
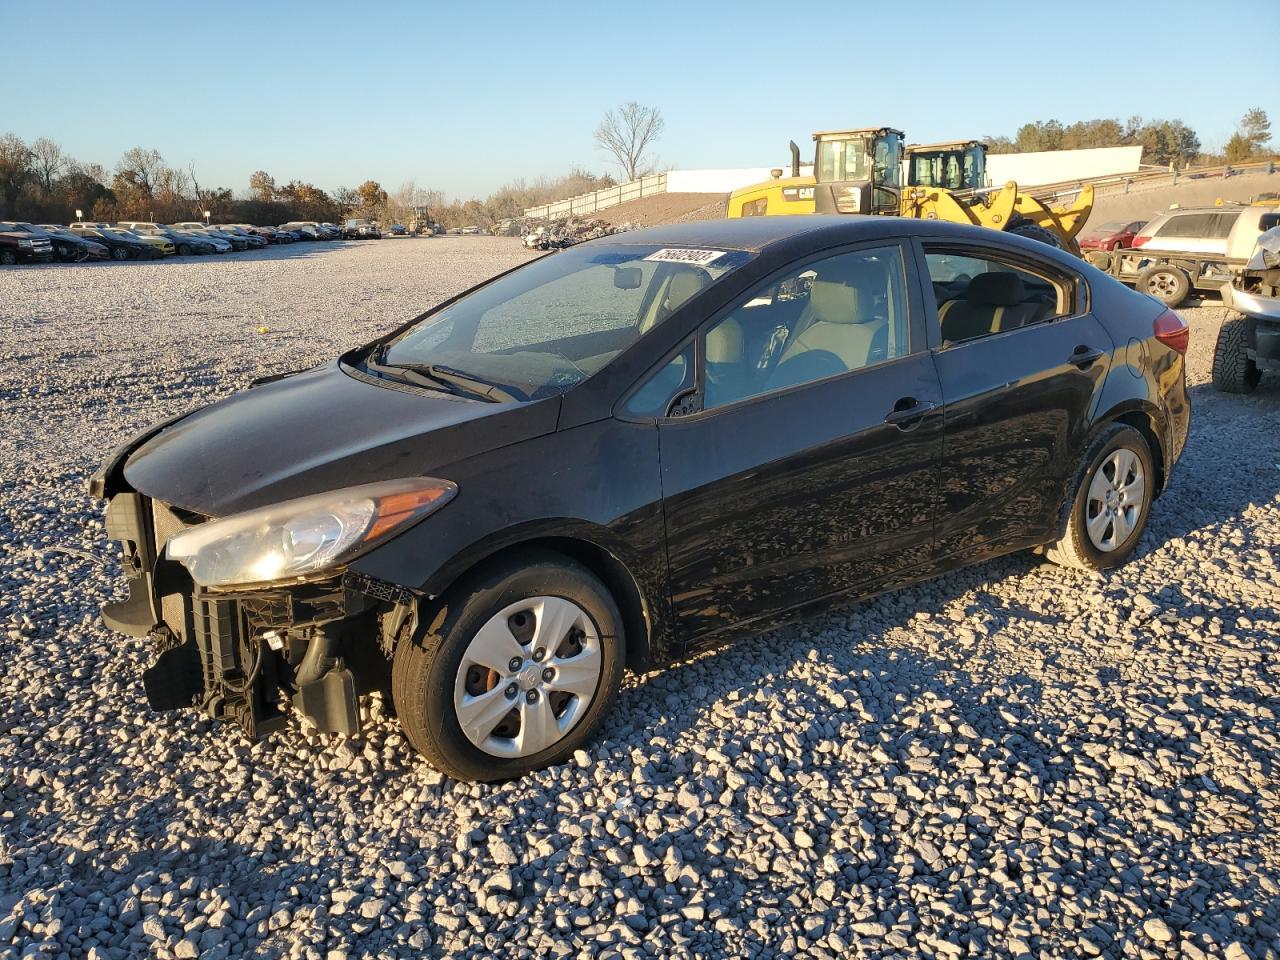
(122, 244)
(629, 451)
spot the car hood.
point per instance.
(320, 430)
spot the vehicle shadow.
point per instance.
(934, 730)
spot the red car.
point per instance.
(1110, 236)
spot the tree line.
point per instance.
(1163, 142)
(41, 183)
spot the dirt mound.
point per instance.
(666, 208)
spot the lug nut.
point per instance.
(512, 690)
(548, 674)
(514, 664)
(531, 696)
(539, 654)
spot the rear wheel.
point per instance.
(1115, 485)
(518, 672)
(1234, 371)
(1170, 285)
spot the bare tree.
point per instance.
(49, 161)
(627, 134)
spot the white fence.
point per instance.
(600, 199)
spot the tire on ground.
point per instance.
(1075, 549)
(1168, 284)
(424, 668)
(1233, 369)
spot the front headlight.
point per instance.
(300, 538)
(24, 243)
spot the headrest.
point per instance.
(724, 342)
(683, 286)
(832, 302)
(995, 289)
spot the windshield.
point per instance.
(548, 326)
(842, 160)
(888, 156)
(118, 234)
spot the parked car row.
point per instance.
(22, 242)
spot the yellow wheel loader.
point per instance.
(860, 171)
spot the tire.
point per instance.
(1233, 369)
(1115, 443)
(8, 258)
(184, 250)
(119, 254)
(432, 675)
(1033, 231)
(1168, 284)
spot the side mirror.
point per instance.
(627, 278)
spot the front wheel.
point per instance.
(8, 258)
(1234, 371)
(1115, 485)
(517, 673)
(119, 254)
(184, 250)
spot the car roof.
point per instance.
(755, 234)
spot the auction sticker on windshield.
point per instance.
(698, 258)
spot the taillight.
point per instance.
(1139, 241)
(1170, 330)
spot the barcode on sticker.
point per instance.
(681, 255)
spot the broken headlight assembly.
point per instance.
(299, 539)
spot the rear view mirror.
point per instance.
(627, 278)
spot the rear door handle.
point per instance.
(1083, 356)
(908, 412)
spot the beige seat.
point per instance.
(681, 287)
(833, 335)
(728, 378)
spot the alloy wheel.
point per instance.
(1117, 496)
(527, 677)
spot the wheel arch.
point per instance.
(1145, 419)
(637, 608)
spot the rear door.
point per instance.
(1018, 397)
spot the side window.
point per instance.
(654, 397)
(826, 318)
(978, 296)
(1223, 222)
(756, 208)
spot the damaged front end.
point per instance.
(250, 654)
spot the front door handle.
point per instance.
(908, 412)
(1083, 356)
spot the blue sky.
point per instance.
(464, 96)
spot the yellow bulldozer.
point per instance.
(862, 171)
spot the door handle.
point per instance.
(908, 412)
(1083, 356)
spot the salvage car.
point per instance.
(67, 247)
(629, 451)
(18, 246)
(357, 229)
(1113, 235)
(122, 244)
(185, 244)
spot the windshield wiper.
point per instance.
(453, 380)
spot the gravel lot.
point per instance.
(1013, 760)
